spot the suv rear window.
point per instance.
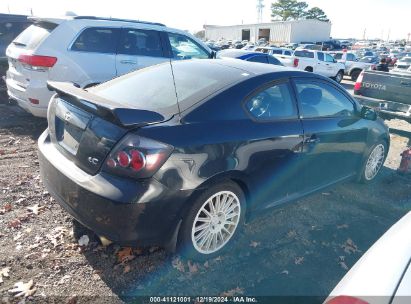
(97, 40)
(31, 37)
(304, 54)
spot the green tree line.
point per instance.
(294, 10)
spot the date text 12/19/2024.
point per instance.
(208, 299)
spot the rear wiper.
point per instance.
(19, 43)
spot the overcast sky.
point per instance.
(349, 17)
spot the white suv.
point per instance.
(87, 51)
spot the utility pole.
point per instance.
(388, 36)
(260, 7)
(363, 35)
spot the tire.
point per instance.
(308, 69)
(339, 77)
(355, 74)
(373, 164)
(214, 233)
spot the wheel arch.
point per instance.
(233, 176)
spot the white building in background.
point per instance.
(277, 32)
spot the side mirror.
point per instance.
(368, 113)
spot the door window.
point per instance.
(185, 48)
(140, 42)
(261, 59)
(287, 53)
(319, 99)
(320, 56)
(329, 58)
(350, 57)
(272, 103)
(97, 40)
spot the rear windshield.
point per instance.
(34, 35)
(304, 54)
(153, 88)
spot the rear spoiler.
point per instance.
(118, 114)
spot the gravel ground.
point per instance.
(299, 249)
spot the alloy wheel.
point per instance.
(374, 162)
(216, 222)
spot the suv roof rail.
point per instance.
(118, 19)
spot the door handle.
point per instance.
(128, 61)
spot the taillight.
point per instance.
(295, 63)
(357, 85)
(37, 62)
(346, 300)
(137, 157)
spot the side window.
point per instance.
(272, 103)
(140, 42)
(185, 48)
(350, 57)
(273, 60)
(287, 53)
(319, 99)
(257, 58)
(329, 58)
(320, 56)
(98, 40)
(277, 52)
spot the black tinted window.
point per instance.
(262, 59)
(273, 60)
(319, 99)
(99, 40)
(287, 53)
(153, 88)
(277, 52)
(140, 42)
(305, 54)
(272, 103)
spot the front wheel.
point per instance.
(215, 219)
(339, 77)
(373, 162)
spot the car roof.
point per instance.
(253, 68)
(240, 54)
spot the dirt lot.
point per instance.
(302, 248)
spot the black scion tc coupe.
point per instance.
(179, 153)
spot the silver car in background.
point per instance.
(383, 274)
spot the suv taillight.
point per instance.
(137, 157)
(295, 63)
(37, 62)
(357, 85)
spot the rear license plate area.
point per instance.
(68, 136)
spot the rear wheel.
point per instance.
(213, 222)
(355, 74)
(373, 162)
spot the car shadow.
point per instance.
(301, 249)
(19, 122)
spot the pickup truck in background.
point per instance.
(316, 61)
(353, 66)
(284, 55)
(389, 93)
